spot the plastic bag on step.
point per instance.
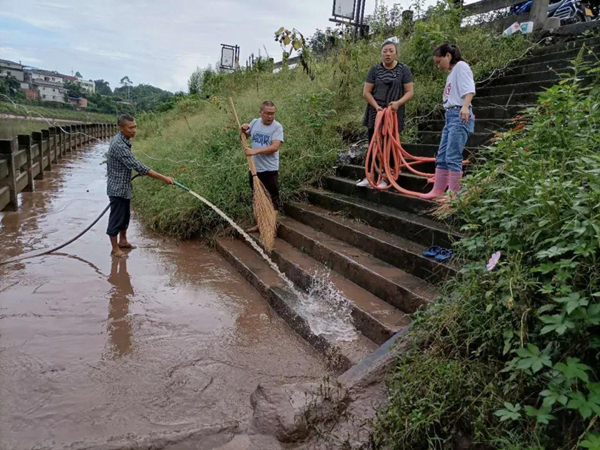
(354, 154)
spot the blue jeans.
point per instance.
(454, 139)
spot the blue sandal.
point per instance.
(432, 252)
(444, 255)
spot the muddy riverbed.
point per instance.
(169, 340)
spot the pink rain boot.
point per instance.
(440, 184)
(454, 182)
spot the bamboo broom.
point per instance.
(264, 212)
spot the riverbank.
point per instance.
(28, 111)
(37, 119)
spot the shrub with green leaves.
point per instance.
(525, 329)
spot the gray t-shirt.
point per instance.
(458, 84)
(263, 136)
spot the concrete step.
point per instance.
(434, 137)
(418, 229)
(341, 355)
(397, 287)
(565, 55)
(430, 150)
(515, 89)
(406, 180)
(528, 77)
(557, 65)
(487, 112)
(393, 249)
(428, 167)
(566, 46)
(504, 101)
(389, 198)
(522, 92)
(373, 317)
(481, 126)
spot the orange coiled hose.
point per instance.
(387, 156)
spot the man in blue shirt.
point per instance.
(267, 137)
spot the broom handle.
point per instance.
(243, 138)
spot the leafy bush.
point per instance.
(525, 331)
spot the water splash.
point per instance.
(250, 241)
(326, 310)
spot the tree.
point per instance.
(74, 89)
(11, 87)
(385, 20)
(126, 82)
(102, 87)
(196, 80)
(323, 41)
(146, 97)
(78, 75)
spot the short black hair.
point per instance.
(451, 49)
(125, 118)
(267, 103)
(389, 43)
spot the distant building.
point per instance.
(87, 85)
(13, 69)
(78, 102)
(32, 94)
(50, 85)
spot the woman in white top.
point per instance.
(460, 121)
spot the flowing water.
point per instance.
(325, 309)
(93, 349)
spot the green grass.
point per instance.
(54, 113)
(197, 142)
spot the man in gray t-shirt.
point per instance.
(267, 137)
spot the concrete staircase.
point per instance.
(372, 242)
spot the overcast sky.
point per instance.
(151, 41)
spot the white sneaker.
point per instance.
(382, 184)
(363, 183)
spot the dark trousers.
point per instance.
(371, 132)
(270, 180)
(120, 213)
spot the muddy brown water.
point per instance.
(92, 349)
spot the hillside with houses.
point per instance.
(45, 85)
(32, 85)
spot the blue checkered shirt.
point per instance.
(119, 166)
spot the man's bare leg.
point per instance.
(123, 240)
(116, 251)
(254, 229)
